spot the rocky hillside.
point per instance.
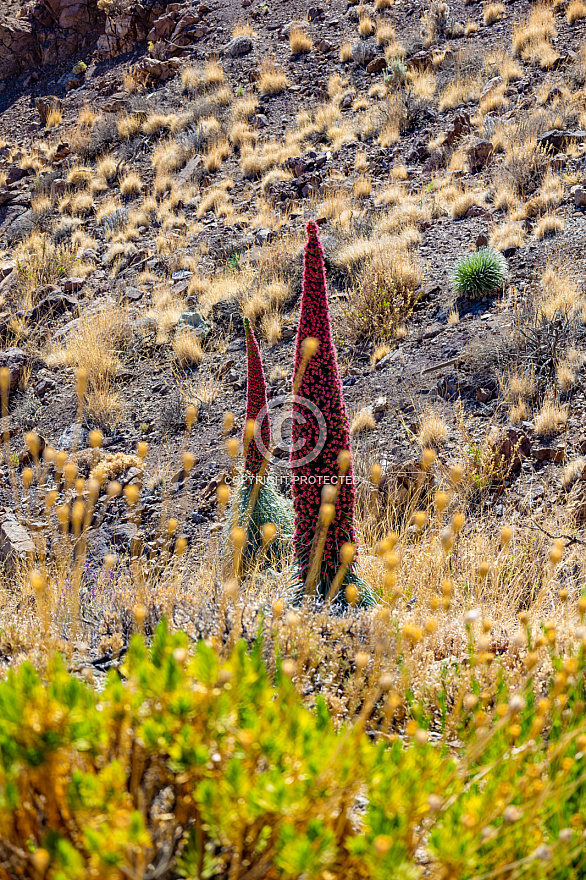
(157, 167)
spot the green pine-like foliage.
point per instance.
(480, 273)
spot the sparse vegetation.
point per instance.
(493, 12)
(300, 41)
(479, 273)
(398, 692)
(575, 11)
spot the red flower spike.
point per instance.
(321, 385)
(256, 402)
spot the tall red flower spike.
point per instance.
(256, 401)
(321, 385)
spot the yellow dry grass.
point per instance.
(575, 11)
(272, 79)
(493, 12)
(300, 41)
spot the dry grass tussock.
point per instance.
(96, 348)
(575, 11)
(532, 38)
(272, 80)
(187, 348)
(39, 262)
(383, 280)
(493, 12)
(300, 41)
(362, 421)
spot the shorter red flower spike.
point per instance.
(256, 403)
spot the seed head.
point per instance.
(268, 533)
(361, 660)
(180, 546)
(289, 667)
(238, 538)
(419, 519)
(441, 500)
(188, 462)
(140, 613)
(33, 442)
(37, 580)
(351, 594)
(382, 844)
(456, 474)
(231, 588)
(347, 553)
(228, 422)
(309, 346)
(81, 380)
(457, 523)
(344, 461)
(131, 494)
(190, 416)
(232, 447)
(427, 459)
(327, 513)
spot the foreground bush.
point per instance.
(188, 768)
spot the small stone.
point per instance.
(579, 194)
(133, 293)
(16, 360)
(74, 435)
(512, 447)
(73, 285)
(20, 227)
(557, 140)
(376, 65)
(483, 395)
(482, 240)
(194, 321)
(480, 155)
(43, 387)
(476, 211)
(323, 46)
(239, 46)
(16, 546)
(460, 127)
(558, 162)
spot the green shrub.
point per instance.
(182, 761)
(186, 767)
(480, 273)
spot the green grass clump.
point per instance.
(480, 273)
